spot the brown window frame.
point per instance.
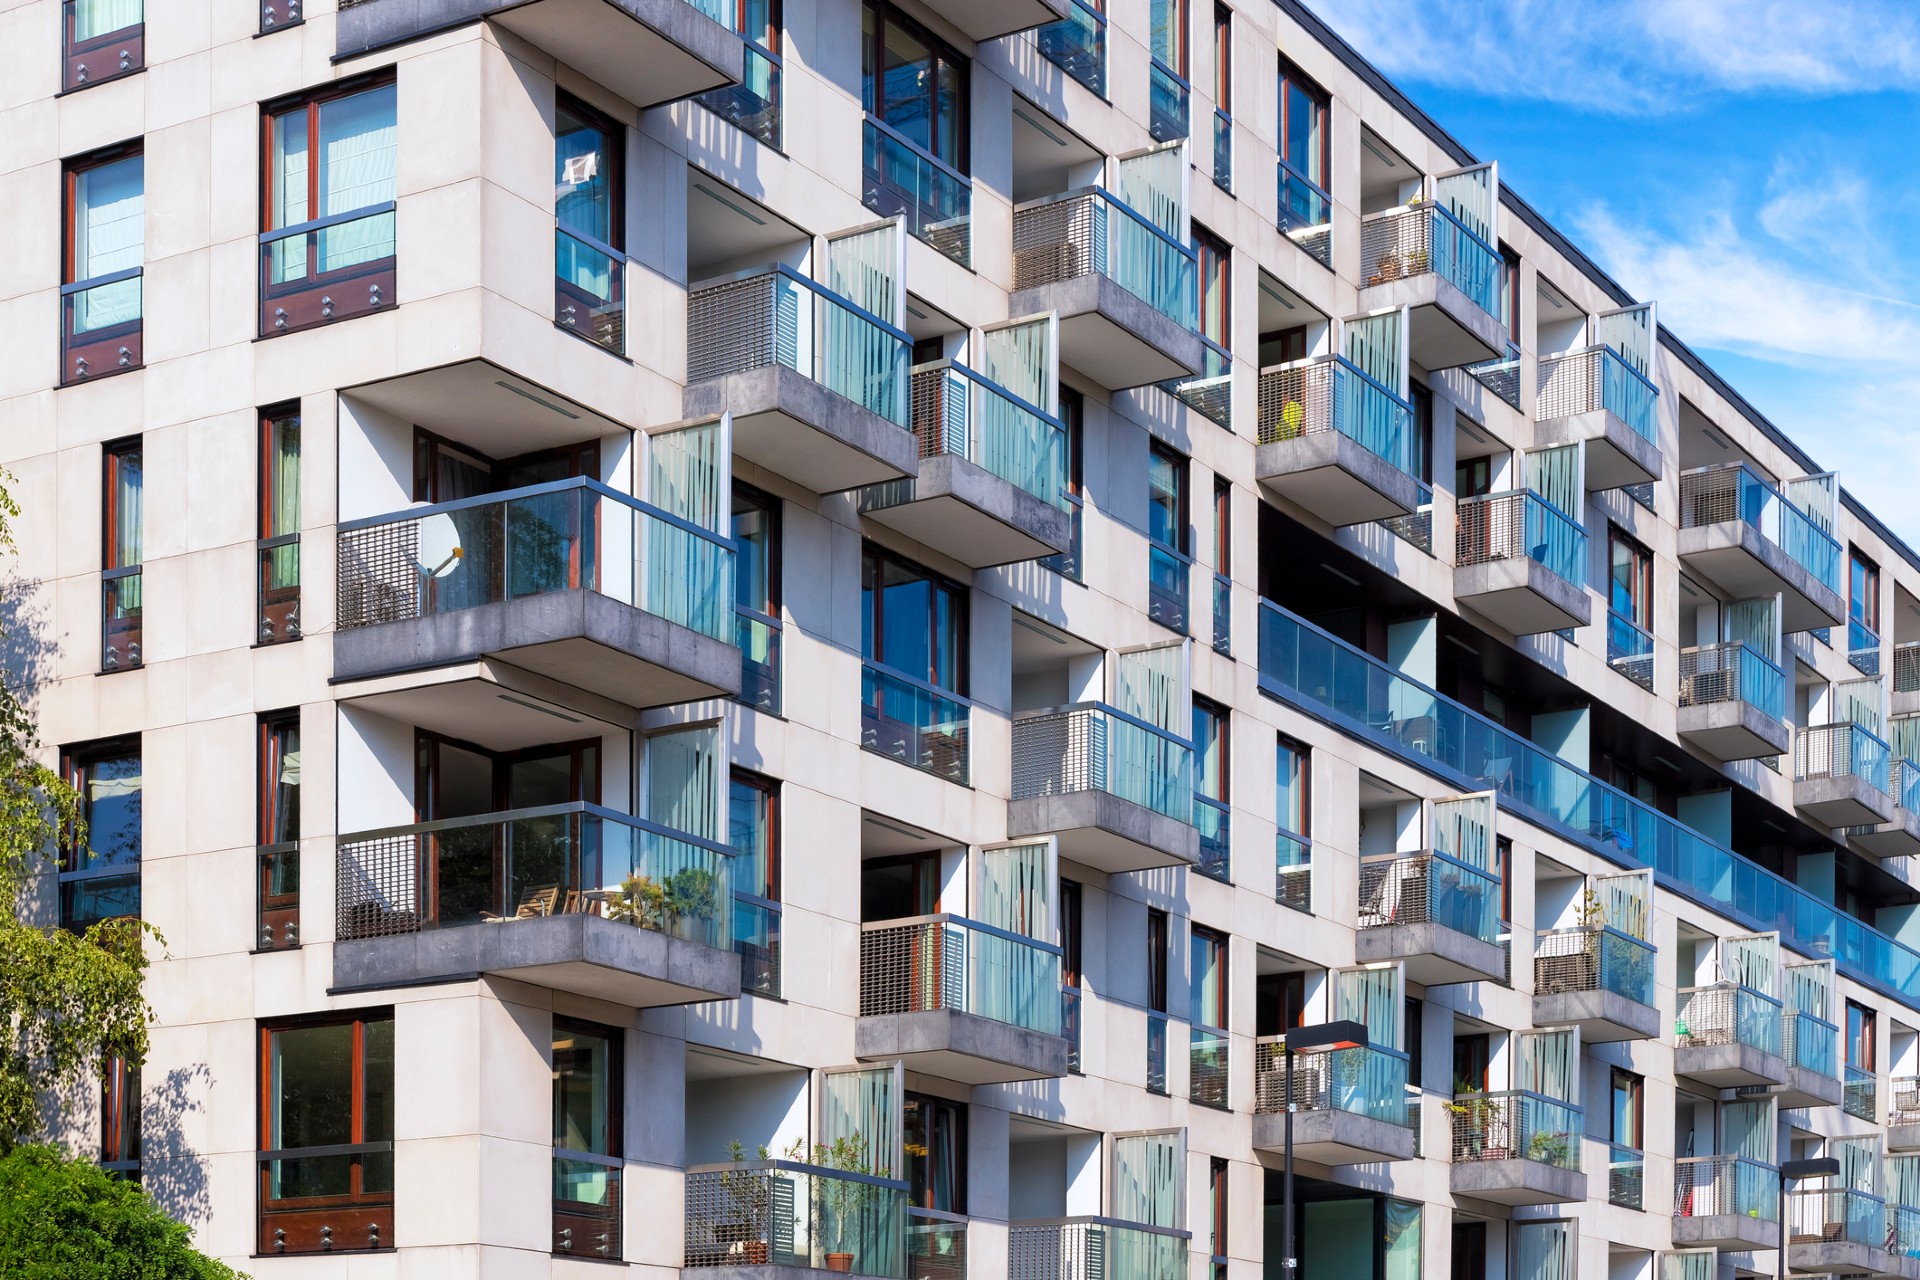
(279, 619)
(119, 1122)
(1210, 248)
(1322, 101)
(358, 1210)
(125, 48)
(606, 327)
(116, 348)
(76, 765)
(121, 628)
(277, 845)
(873, 52)
(581, 1229)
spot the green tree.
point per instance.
(66, 999)
(63, 1219)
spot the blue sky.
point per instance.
(1750, 165)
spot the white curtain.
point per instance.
(1151, 685)
(1690, 1264)
(1861, 702)
(1548, 1063)
(685, 771)
(1020, 358)
(1626, 901)
(863, 267)
(1376, 997)
(1012, 444)
(1859, 1163)
(1016, 890)
(109, 235)
(100, 17)
(1749, 1129)
(689, 578)
(1809, 989)
(1817, 496)
(1463, 828)
(1147, 1177)
(1402, 1255)
(863, 1106)
(1750, 960)
(1543, 1250)
(1903, 1180)
(358, 145)
(1630, 333)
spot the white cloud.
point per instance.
(1636, 56)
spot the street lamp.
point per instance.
(1793, 1171)
(1343, 1034)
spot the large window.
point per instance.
(101, 40)
(327, 239)
(914, 638)
(120, 1118)
(100, 877)
(1207, 1011)
(278, 840)
(326, 1134)
(587, 1079)
(756, 595)
(754, 103)
(123, 555)
(754, 821)
(1628, 1118)
(1167, 555)
(1210, 801)
(106, 236)
(1216, 288)
(1305, 154)
(1222, 565)
(1217, 1214)
(589, 213)
(914, 84)
(279, 525)
(1860, 1047)
(1223, 97)
(1071, 563)
(1159, 956)
(1072, 929)
(1863, 613)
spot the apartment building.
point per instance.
(792, 637)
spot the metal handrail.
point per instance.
(331, 220)
(585, 807)
(924, 686)
(918, 150)
(948, 917)
(100, 282)
(535, 491)
(1106, 709)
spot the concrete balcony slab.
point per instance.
(964, 511)
(1435, 955)
(1104, 832)
(1110, 334)
(1604, 1017)
(1743, 562)
(1517, 1182)
(1729, 1066)
(797, 428)
(1331, 1136)
(1734, 729)
(962, 1047)
(1336, 477)
(1521, 595)
(1616, 454)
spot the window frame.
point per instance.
(939, 584)
(1321, 102)
(1640, 591)
(607, 1218)
(279, 606)
(769, 901)
(1866, 1040)
(120, 346)
(277, 849)
(874, 45)
(1159, 956)
(74, 72)
(1302, 755)
(613, 137)
(121, 636)
(1208, 249)
(77, 763)
(1069, 563)
(760, 683)
(1220, 943)
(120, 1123)
(1863, 606)
(929, 1103)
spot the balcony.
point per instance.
(1439, 915)
(1841, 776)
(1336, 442)
(1064, 1248)
(1728, 1202)
(1733, 702)
(569, 580)
(916, 723)
(100, 41)
(1728, 1036)
(1516, 1148)
(933, 199)
(1422, 257)
(646, 51)
(1596, 399)
(1861, 1096)
(1124, 289)
(1903, 1114)
(1738, 531)
(1598, 979)
(992, 484)
(1350, 1105)
(1520, 562)
(1293, 872)
(1630, 649)
(1077, 44)
(1832, 1229)
(960, 1000)
(982, 20)
(571, 897)
(1899, 837)
(818, 386)
(772, 1218)
(1115, 790)
(1305, 213)
(101, 326)
(1812, 1046)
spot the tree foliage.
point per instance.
(66, 999)
(63, 1219)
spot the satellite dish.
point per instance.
(438, 549)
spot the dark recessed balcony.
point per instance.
(1350, 1104)
(1424, 258)
(1727, 1202)
(1519, 561)
(1439, 915)
(1115, 790)
(1740, 532)
(571, 897)
(569, 580)
(1596, 399)
(1336, 442)
(1728, 1036)
(960, 1000)
(1517, 1148)
(1732, 700)
(1598, 979)
(1842, 776)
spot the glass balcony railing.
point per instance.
(1305, 666)
(919, 724)
(1840, 751)
(1732, 672)
(1812, 1043)
(1593, 959)
(756, 936)
(1398, 244)
(758, 636)
(327, 269)
(1626, 1176)
(1169, 104)
(1903, 1229)
(1501, 375)
(278, 589)
(1091, 231)
(1711, 1186)
(1090, 746)
(959, 412)
(934, 199)
(1429, 888)
(1156, 1053)
(1305, 213)
(1516, 1125)
(1214, 821)
(1825, 1214)
(588, 290)
(1210, 391)
(1222, 150)
(1863, 647)
(1593, 379)
(1369, 1082)
(1508, 526)
(779, 317)
(1330, 393)
(587, 1209)
(101, 326)
(1169, 575)
(1077, 44)
(936, 1245)
(277, 899)
(275, 14)
(1207, 1066)
(122, 618)
(1630, 650)
(1068, 563)
(1727, 1013)
(785, 1213)
(753, 105)
(1084, 1248)
(1860, 1095)
(560, 536)
(558, 859)
(944, 961)
(1293, 872)
(1905, 776)
(1732, 492)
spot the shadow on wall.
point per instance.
(174, 1174)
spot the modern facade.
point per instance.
(790, 638)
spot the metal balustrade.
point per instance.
(1331, 393)
(1903, 1100)
(936, 1245)
(1825, 1214)
(1839, 751)
(960, 413)
(1422, 888)
(1727, 1013)
(948, 962)
(1732, 672)
(1370, 1081)
(1208, 392)
(1733, 492)
(1599, 958)
(1397, 244)
(1293, 871)
(1090, 746)
(1094, 1248)
(1508, 526)
(792, 1214)
(1595, 379)
(1207, 1055)
(1501, 375)
(1710, 1186)
(1093, 232)
(1515, 1125)
(1906, 667)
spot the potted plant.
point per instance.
(749, 1197)
(841, 1202)
(1474, 1121)
(1417, 262)
(640, 901)
(1549, 1148)
(669, 905)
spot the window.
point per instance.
(1159, 954)
(1628, 1119)
(1290, 780)
(326, 1134)
(753, 105)
(756, 595)
(1210, 801)
(106, 236)
(1511, 300)
(1223, 97)
(1472, 477)
(326, 245)
(1167, 558)
(1222, 565)
(935, 1133)
(279, 835)
(1293, 845)
(1071, 929)
(1207, 1010)
(587, 1079)
(754, 821)
(914, 84)
(120, 1118)
(1863, 614)
(1632, 579)
(101, 40)
(1416, 1042)
(589, 214)
(1472, 1058)
(102, 880)
(1305, 156)
(279, 525)
(1279, 1002)
(1077, 44)
(1217, 1211)
(122, 600)
(1167, 104)
(1421, 397)
(1860, 1046)
(1215, 258)
(914, 638)
(1071, 563)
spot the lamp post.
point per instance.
(1793, 1171)
(1343, 1034)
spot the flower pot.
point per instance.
(840, 1262)
(756, 1252)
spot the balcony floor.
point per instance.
(1843, 801)
(963, 1047)
(1728, 1066)
(1447, 328)
(1735, 556)
(1105, 832)
(1725, 1231)
(1336, 478)
(796, 428)
(1734, 731)
(1616, 454)
(1110, 335)
(1899, 838)
(966, 512)
(1333, 1137)
(1517, 1182)
(989, 19)
(1522, 596)
(1604, 1017)
(1845, 1256)
(1436, 956)
(1805, 1087)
